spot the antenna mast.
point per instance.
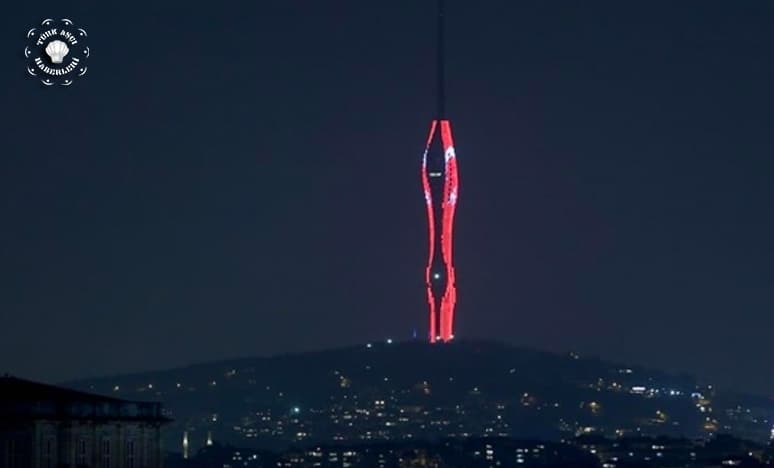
(441, 90)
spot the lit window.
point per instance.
(106, 453)
(82, 452)
(48, 453)
(130, 454)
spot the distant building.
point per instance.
(43, 426)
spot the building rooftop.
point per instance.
(26, 400)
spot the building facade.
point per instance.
(43, 426)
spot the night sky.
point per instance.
(243, 178)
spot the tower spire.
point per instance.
(441, 184)
(441, 90)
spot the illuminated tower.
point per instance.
(440, 183)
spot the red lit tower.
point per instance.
(440, 183)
